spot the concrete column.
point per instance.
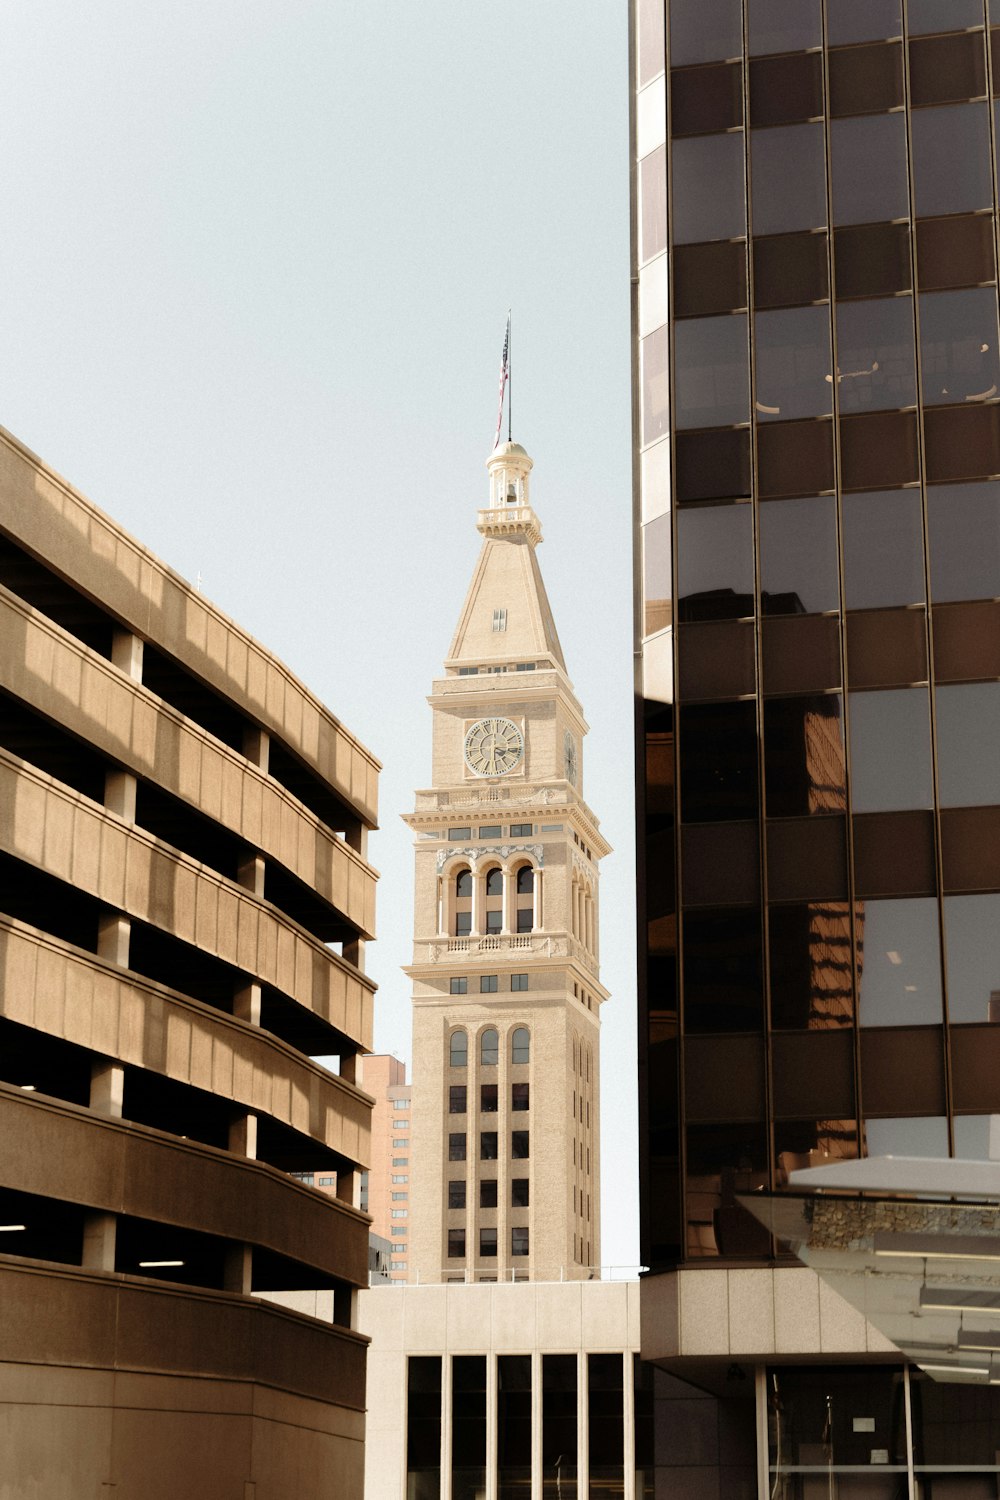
(345, 1305)
(126, 653)
(478, 903)
(119, 794)
(509, 921)
(356, 837)
(256, 746)
(491, 1426)
(539, 909)
(237, 1275)
(99, 1241)
(113, 934)
(243, 1136)
(628, 1399)
(107, 1089)
(250, 874)
(246, 1003)
(347, 1183)
(442, 907)
(354, 953)
(582, 1430)
(350, 1067)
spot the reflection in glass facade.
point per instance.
(819, 416)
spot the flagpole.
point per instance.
(510, 385)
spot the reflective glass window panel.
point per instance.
(785, 90)
(963, 523)
(488, 1098)
(649, 39)
(890, 750)
(899, 963)
(488, 1145)
(958, 346)
(653, 204)
(706, 99)
(520, 1045)
(811, 965)
(875, 353)
(712, 465)
(804, 767)
(952, 1427)
(972, 948)
(868, 167)
(423, 1426)
(456, 1194)
(705, 30)
(954, 252)
(798, 556)
(606, 1423)
(655, 385)
(489, 1048)
(799, 1144)
(457, 1096)
(458, 1045)
(722, 976)
(872, 260)
(943, 15)
(559, 1426)
(793, 363)
(961, 442)
(488, 1192)
(520, 1192)
(456, 1147)
(711, 372)
(883, 549)
(718, 760)
(513, 1426)
(817, 1409)
(794, 458)
(789, 179)
(924, 1135)
(657, 584)
(710, 278)
(878, 450)
(866, 80)
(947, 68)
(723, 1160)
(862, 21)
(952, 170)
(789, 270)
(468, 1424)
(709, 201)
(715, 562)
(976, 1139)
(968, 745)
(456, 1244)
(487, 1251)
(784, 25)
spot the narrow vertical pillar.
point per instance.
(760, 1393)
(347, 1183)
(350, 1067)
(119, 793)
(478, 904)
(246, 1003)
(345, 1302)
(257, 746)
(126, 653)
(536, 1424)
(539, 909)
(356, 837)
(250, 874)
(113, 934)
(354, 952)
(99, 1241)
(237, 1273)
(107, 1088)
(243, 1136)
(628, 1413)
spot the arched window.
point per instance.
(489, 1049)
(463, 884)
(520, 1045)
(494, 882)
(525, 880)
(459, 1049)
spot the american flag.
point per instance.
(504, 375)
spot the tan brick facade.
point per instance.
(506, 992)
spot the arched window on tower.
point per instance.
(459, 1049)
(525, 899)
(463, 903)
(489, 1049)
(494, 900)
(520, 1045)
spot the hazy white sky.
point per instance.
(257, 257)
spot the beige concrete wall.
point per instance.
(80, 690)
(151, 1393)
(49, 518)
(48, 825)
(56, 989)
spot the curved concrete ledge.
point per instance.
(53, 521)
(57, 675)
(52, 987)
(68, 836)
(119, 1167)
(61, 1315)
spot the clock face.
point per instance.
(493, 747)
(569, 755)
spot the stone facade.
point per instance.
(506, 988)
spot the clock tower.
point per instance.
(505, 1177)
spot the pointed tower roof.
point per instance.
(506, 615)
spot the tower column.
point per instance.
(478, 904)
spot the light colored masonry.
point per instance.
(506, 994)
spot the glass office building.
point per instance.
(817, 452)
